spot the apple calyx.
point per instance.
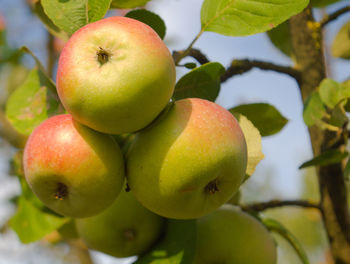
(212, 187)
(62, 191)
(129, 234)
(102, 56)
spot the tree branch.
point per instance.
(51, 56)
(194, 53)
(258, 207)
(245, 65)
(331, 17)
(309, 56)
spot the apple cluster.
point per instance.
(187, 158)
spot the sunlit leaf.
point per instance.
(341, 42)
(51, 27)
(314, 109)
(253, 140)
(246, 17)
(128, 3)
(31, 103)
(31, 224)
(73, 14)
(332, 92)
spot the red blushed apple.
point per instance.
(115, 75)
(73, 169)
(189, 161)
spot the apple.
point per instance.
(189, 162)
(231, 236)
(124, 229)
(74, 170)
(115, 75)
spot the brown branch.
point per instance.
(51, 55)
(258, 207)
(194, 53)
(309, 55)
(331, 17)
(245, 65)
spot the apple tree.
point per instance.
(179, 234)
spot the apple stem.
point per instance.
(62, 191)
(102, 56)
(212, 187)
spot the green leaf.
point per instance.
(341, 43)
(338, 116)
(149, 18)
(73, 14)
(247, 17)
(51, 84)
(253, 140)
(202, 82)
(31, 103)
(122, 4)
(326, 158)
(278, 228)
(280, 37)
(50, 26)
(177, 247)
(190, 65)
(322, 3)
(332, 92)
(314, 109)
(32, 224)
(264, 117)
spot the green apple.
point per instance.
(74, 170)
(115, 75)
(231, 236)
(124, 229)
(189, 161)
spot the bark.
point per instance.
(309, 55)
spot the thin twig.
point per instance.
(258, 207)
(331, 17)
(245, 65)
(184, 53)
(51, 56)
(194, 53)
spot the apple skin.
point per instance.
(74, 170)
(189, 161)
(124, 229)
(125, 93)
(231, 236)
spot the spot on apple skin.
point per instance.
(212, 187)
(129, 234)
(61, 192)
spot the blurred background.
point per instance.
(277, 176)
